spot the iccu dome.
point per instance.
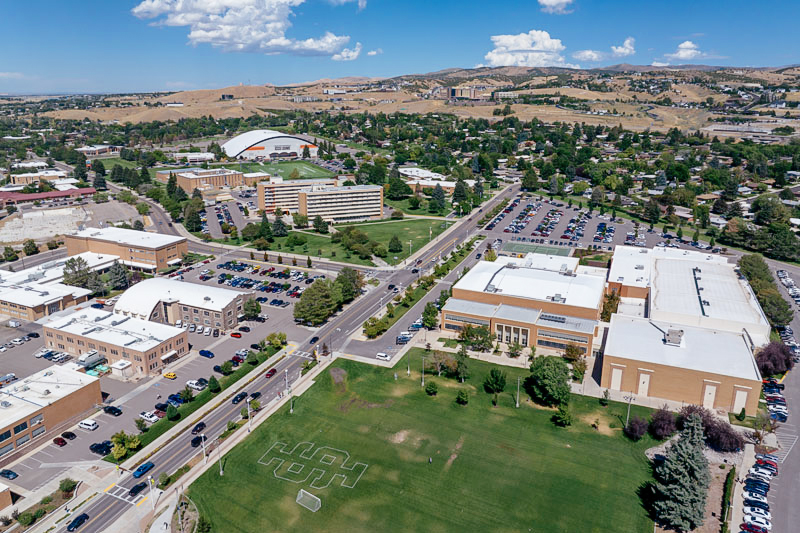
(267, 144)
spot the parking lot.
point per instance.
(231, 213)
(538, 221)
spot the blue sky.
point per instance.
(53, 46)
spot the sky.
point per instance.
(102, 46)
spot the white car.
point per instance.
(760, 472)
(148, 417)
(383, 356)
(3, 349)
(755, 497)
(757, 521)
(207, 332)
(758, 511)
(195, 385)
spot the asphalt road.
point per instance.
(115, 501)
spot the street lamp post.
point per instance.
(286, 379)
(219, 456)
(203, 442)
(423, 371)
(517, 392)
(150, 485)
(630, 399)
(249, 418)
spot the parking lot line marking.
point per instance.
(109, 487)
(784, 377)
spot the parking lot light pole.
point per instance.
(203, 442)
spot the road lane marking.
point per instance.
(142, 501)
(109, 487)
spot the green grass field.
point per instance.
(281, 168)
(496, 469)
(418, 231)
(524, 248)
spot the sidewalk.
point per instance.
(737, 505)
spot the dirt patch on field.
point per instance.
(454, 455)
(357, 403)
(598, 423)
(338, 376)
(407, 436)
(399, 437)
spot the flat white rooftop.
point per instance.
(22, 398)
(701, 349)
(126, 332)
(416, 172)
(631, 266)
(140, 299)
(130, 237)
(536, 277)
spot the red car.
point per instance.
(236, 335)
(58, 441)
(159, 414)
(751, 528)
(271, 372)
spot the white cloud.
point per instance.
(241, 25)
(376, 52)
(533, 49)
(659, 64)
(361, 3)
(626, 49)
(686, 51)
(11, 75)
(588, 55)
(555, 7)
(348, 54)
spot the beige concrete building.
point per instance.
(32, 406)
(276, 192)
(540, 300)
(147, 346)
(342, 204)
(209, 179)
(168, 301)
(140, 250)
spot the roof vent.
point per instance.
(5, 405)
(673, 337)
(45, 392)
(558, 298)
(639, 267)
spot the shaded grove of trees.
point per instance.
(775, 358)
(776, 308)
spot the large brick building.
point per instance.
(32, 406)
(139, 250)
(342, 204)
(168, 300)
(147, 346)
(276, 192)
(542, 301)
(208, 179)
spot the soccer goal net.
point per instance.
(308, 500)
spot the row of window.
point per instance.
(563, 336)
(466, 320)
(20, 441)
(557, 345)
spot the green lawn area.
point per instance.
(496, 469)
(418, 231)
(403, 206)
(281, 168)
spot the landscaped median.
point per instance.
(265, 358)
(375, 327)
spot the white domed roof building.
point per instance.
(267, 145)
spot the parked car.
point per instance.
(143, 469)
(8, 474)
(207, 354)
(383, 356)
(60, 442)
(69, 435)
(112, 410)
(236, 335)
(148, 417)
(170, 375)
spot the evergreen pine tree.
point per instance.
(172, 185)
(683, 479)
(395, 245)
(266, 229)
(118, 276)
(279, 228)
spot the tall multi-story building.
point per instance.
(42, 402)
(276, 192)
(342, 204)
(147, 346)
(205, 179)
(140, 250)
(30, 178)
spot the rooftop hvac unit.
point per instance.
(45, 392)
(206, 298)
(639, 267)
(706, 302)
(673, 337)
(491, 288)
(5, 405)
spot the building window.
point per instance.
(563, 336)
(38, 431)
(22, 440)
(5, 435)
(7, 448)
(37, 419)
(20, 428)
